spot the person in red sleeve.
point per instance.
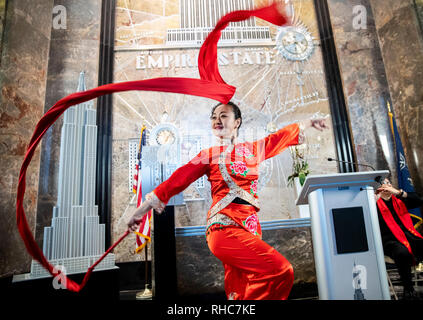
(253, 269)
(400, 240)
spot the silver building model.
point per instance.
(75, 239)
(199, 17)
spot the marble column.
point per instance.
(399, 29)
(365, 86)
(24, 59)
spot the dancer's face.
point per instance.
(223, 122)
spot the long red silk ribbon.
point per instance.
(198, 87)
(207, 58)
(211, 85)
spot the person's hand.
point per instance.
(134, 223)
(136, 218)
(319, 124)
(388, 189)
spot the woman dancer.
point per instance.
(253, 269)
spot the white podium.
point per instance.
(346, 237)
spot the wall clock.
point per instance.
(294, 43)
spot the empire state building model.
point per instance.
(75, 239)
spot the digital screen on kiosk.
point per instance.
(350, 230)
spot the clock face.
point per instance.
(165, 137)
(294, 43)
(164, 134)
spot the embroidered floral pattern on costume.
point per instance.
(253, 187)
(243, 152)
(234, 189)
(239, 167)
(251, 224)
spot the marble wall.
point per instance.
(24, 60)
(418, 6)
(199, 272)
(379, 63)
(365, 85)
(399, 29)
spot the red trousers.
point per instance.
(253, 269)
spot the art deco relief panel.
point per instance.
(279, 77)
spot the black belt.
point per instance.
(240, 201)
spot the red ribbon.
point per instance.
(211, 85)
(207, 58)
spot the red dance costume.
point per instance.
(253, 269)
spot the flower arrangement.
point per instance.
(300, 166)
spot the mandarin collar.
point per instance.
(226, 142)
